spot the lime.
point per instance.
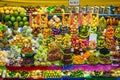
(22, 14)
(26, 23)
(19, 18)
(7, 17)
(9, 23)
(25, 19)
(15, 13)
(20, 24)
(12, 18)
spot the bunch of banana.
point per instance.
(117, 32)
(97, 73)
(95, 20)
(115, 73)
(102, 23)
(85, 20)
(37, 74)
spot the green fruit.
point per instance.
(7, 17)
(15, 23)
(26, 23)
(19, 18)
(1, 45)
(15, 13)
(12, 18)
(9, 23)
(25, 19)
(22, 14)
(21, 24)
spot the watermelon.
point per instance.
(26, 23)
(19, 18)
(15, 13)
(12, 18)
(21, 24)
(25, 18)
(9, 23)
(22, 14)
(7, 17)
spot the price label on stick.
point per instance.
(74, 2)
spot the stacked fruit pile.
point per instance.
(4, 43)
(14, 16)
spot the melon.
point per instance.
(26, 23)
(12, 18)
(21, 24)
(7, 17)
(19, 18)
(22, 14)
(9, 23)
(15, 13)
(25, 19)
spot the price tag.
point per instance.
(74, 2)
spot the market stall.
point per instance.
(59, 42)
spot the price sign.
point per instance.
(74, 2)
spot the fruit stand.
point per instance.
(60, 42)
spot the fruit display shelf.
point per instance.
(98, 78)
(113, 15)
(84, 67)
(18, 68)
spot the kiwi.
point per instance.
(1, 45)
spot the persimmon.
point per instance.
(86, 55)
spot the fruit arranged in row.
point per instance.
(16, 19)
(52, 74)
(97, 73)
(4, 43)
(37, 74)
(10, 10)
(19, 39)
(77, 74)
(115, 73)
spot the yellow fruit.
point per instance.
(5, 8)
(7, 11)
(2, 11)
(14, 8)
(9, 8)
(11, 11)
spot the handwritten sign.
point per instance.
(74, 2)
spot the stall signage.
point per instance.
(74, 2)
